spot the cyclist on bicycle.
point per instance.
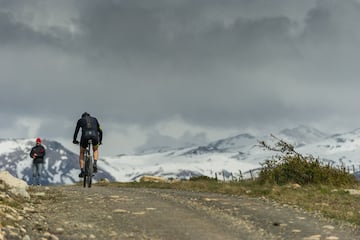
(90, 129)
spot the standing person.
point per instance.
(90, 129)
(37, 153)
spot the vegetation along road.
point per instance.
(111, 212)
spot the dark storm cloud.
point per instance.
(156, 140)
(227, 64)
(182, 34)
(18, 32)
(174, 52)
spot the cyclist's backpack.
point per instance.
(90, 129)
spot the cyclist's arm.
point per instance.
(100, 133)
(76, 130)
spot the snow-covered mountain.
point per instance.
(61, 165)
(225, 158)
(302, 135)
(230, 156)
(339, 149)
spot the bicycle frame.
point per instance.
(89, 164)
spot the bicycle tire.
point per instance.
(86, 169)
(84, 180)
(90, 171)
(89, 166)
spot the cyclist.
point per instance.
(90, 129)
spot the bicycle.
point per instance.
(89, 165)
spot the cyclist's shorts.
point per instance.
(84, 141)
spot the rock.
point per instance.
(14, 185)
(104, 180)
(157, 179)
(59, 230)
(294, 186)
(329, 227)
(120, 211)
(352, 191)
(313, 237)
(332, 238)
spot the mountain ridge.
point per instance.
(232, 156)
(61, 165)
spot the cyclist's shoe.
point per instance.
(95, 167)
(82, 174)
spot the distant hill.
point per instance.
(232, 155)
(225, 158)
(61, 165)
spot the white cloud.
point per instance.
(28, 126)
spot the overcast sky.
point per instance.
(167, 72)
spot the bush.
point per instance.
(292, 167)
(202, 178)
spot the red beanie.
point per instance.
(38, 140)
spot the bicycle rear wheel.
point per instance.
(84, 180)
(86, 170)
(90, 171)
(88, 165)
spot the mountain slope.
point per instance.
(61, 165)
(302, 135)
(225, 158)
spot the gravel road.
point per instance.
(73, 212)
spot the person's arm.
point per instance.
(76, 131)
(41, 152)
(32, 153)
(100, 133)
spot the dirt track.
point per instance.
(73, 212)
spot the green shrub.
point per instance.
(202, 178)
(292, 167)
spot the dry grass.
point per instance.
(330, 202)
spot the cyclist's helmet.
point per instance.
(85, 114)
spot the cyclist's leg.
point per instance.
(95, 152)
(83, 143)
(95, 144)
(81, 158)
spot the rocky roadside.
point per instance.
(19, 213)
(21, 217)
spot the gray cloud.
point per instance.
(156, 140)
(229, 65)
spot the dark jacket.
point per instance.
(88, 123)
(37, 153)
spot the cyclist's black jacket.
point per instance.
(88, 123)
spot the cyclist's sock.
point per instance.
(82, 173)
(95, 166)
